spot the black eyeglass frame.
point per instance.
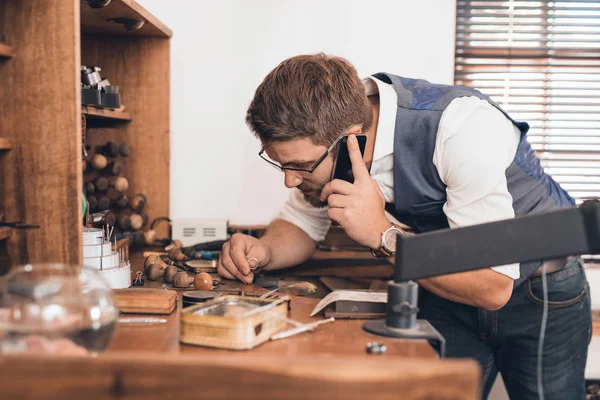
(311, 169)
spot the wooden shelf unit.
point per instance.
(6, 51)
(41, 179)
(105, 114)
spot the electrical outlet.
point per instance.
(194, 231)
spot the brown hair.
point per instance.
(316, 96)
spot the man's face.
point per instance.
(303, 153)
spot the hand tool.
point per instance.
(300, 329)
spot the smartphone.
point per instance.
(342, 167)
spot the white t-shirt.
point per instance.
(475, 145)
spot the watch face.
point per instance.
(390, 239)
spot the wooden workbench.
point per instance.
(149, 362)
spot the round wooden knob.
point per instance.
(138, 202)
(203, 281)
(176, 244)
(101, 184)
(110, 218)
(93, 202)
(99, 161)
(120, 201)
(154, 267)
(124, 149)
(137, 240)
(114, 168)
(124, 222)
(89, 187)
(182, 280)
(110, 149)
(170, 273)
(154, 272)
(136, 221)
(103, 203)
(121, 184)
(175, 254)
(149, 237)
(150, 260)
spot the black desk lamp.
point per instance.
(544, 236)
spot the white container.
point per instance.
(118, 278)
(97, 250)
(92, 236)
(109, 261)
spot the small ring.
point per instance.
(255, 259)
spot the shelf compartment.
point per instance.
(96, 21)
(6, 51)
(5, 232)
(105, 114)
(5, 144)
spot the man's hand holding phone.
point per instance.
(359, 207)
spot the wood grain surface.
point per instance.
(5, 143)
(145, 301)
(228, 376)
(5, 232)
(338, 338)
(140, 67)
(148, 362)
(105, 113)
(6, 51)
(95, 21)
(40, 179)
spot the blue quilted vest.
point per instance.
(418, 190)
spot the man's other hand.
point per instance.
(359, 208)
(240, 256)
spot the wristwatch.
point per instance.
(388, 242)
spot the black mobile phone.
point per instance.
(342, 167)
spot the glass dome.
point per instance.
(55, 308)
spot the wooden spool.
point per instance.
(110, 149)
(114, 168)
(93, 202)
(149, 237)
(124, 222)
(101, 184)
(138, 202)
(136, 221)
(124, 149)
(121, 184)
(103, 203)
(99, 162)
(89, 187)
(110, 218)
(120, 201)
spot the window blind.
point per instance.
(540, 61)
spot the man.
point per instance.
(442, 156)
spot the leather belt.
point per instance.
(553, 265)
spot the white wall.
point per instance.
(220, 52)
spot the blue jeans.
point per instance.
(506, 340)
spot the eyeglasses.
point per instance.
(309, 170)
